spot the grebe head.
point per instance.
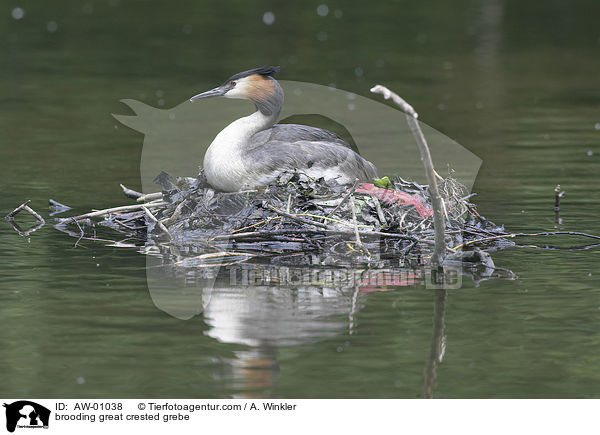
(256, 85)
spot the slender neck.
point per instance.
(249, 125)
(231, 140)
(238, 133)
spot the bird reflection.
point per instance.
(265, 318)
(260, 317)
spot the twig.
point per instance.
(554, 248)
(63, 229)
(273, 233)
(296, 218)
(130, 228)
(436, 199)
(222, 254)
(176, 214)
(356, 235)
(81, 234)
(150, 196)
(438, 343)
(464, 198)
(263, 234)
(267, 220)
(239, 192)
(27, 232)
(346, 196)
(159, 223)
(399, 101)
(57, 208)
(112, 210)
(380, 214)
(402, 219)
(57, 204)
(513, 235)
(34, 213)
(24, 206)
(353, 309)
(337, 221)
(130, 193)
(17, 210)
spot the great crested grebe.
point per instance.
(253, 150)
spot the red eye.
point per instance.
(233, 84)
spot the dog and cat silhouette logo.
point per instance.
(26, 414)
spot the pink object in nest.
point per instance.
(389, 196)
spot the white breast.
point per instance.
(223, 165)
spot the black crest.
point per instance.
(263, 71)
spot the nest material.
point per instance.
(297, 220)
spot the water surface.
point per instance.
(515, 84)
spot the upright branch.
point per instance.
(438, 343)
(436, 200)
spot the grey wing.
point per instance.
(274, 157)
(296, 132)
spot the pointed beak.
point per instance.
(216, 92)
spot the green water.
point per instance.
(517, 84)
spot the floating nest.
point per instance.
(294, 221)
